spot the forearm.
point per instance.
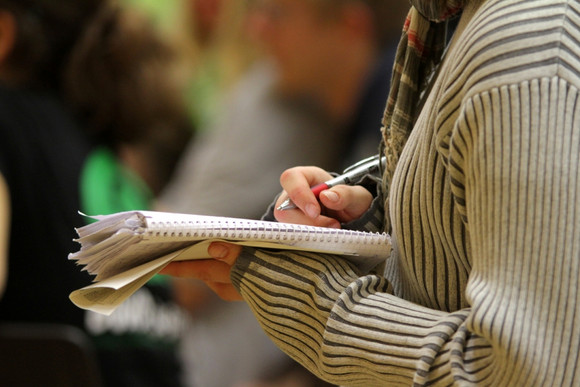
(346, 328)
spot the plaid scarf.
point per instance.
(419, 53)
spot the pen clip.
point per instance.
(368, 160)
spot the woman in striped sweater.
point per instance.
(480, 195)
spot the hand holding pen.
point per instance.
(341, 200)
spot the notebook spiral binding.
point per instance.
(243, 230)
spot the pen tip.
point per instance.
(286, 205)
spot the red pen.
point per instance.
(350, 176)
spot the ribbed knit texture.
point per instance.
(483, 284)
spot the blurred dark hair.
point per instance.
(121, 73)
(47, 30)
(112, 69)
(122, 79)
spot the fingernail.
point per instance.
(312, 210)
(217, 251)
(331, 196)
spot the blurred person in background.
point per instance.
(124, 82)
(89, 120)
(337, 56)
(315, 94)
(220, 54)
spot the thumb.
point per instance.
(225, 252)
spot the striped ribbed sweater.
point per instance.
(483, 283)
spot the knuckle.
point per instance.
(288, 174)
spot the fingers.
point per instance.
(207, 270)
(214, 272)
(346, 202)
(296, 216)
(341, 203)
(204, 269)
(226, 291)
(224, 252)
(338, 204)
(297, 182)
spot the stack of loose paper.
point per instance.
(124, 250)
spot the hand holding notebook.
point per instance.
(126, 249)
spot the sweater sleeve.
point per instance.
(345, 327)
(514, 169)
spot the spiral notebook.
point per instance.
(124, 250)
